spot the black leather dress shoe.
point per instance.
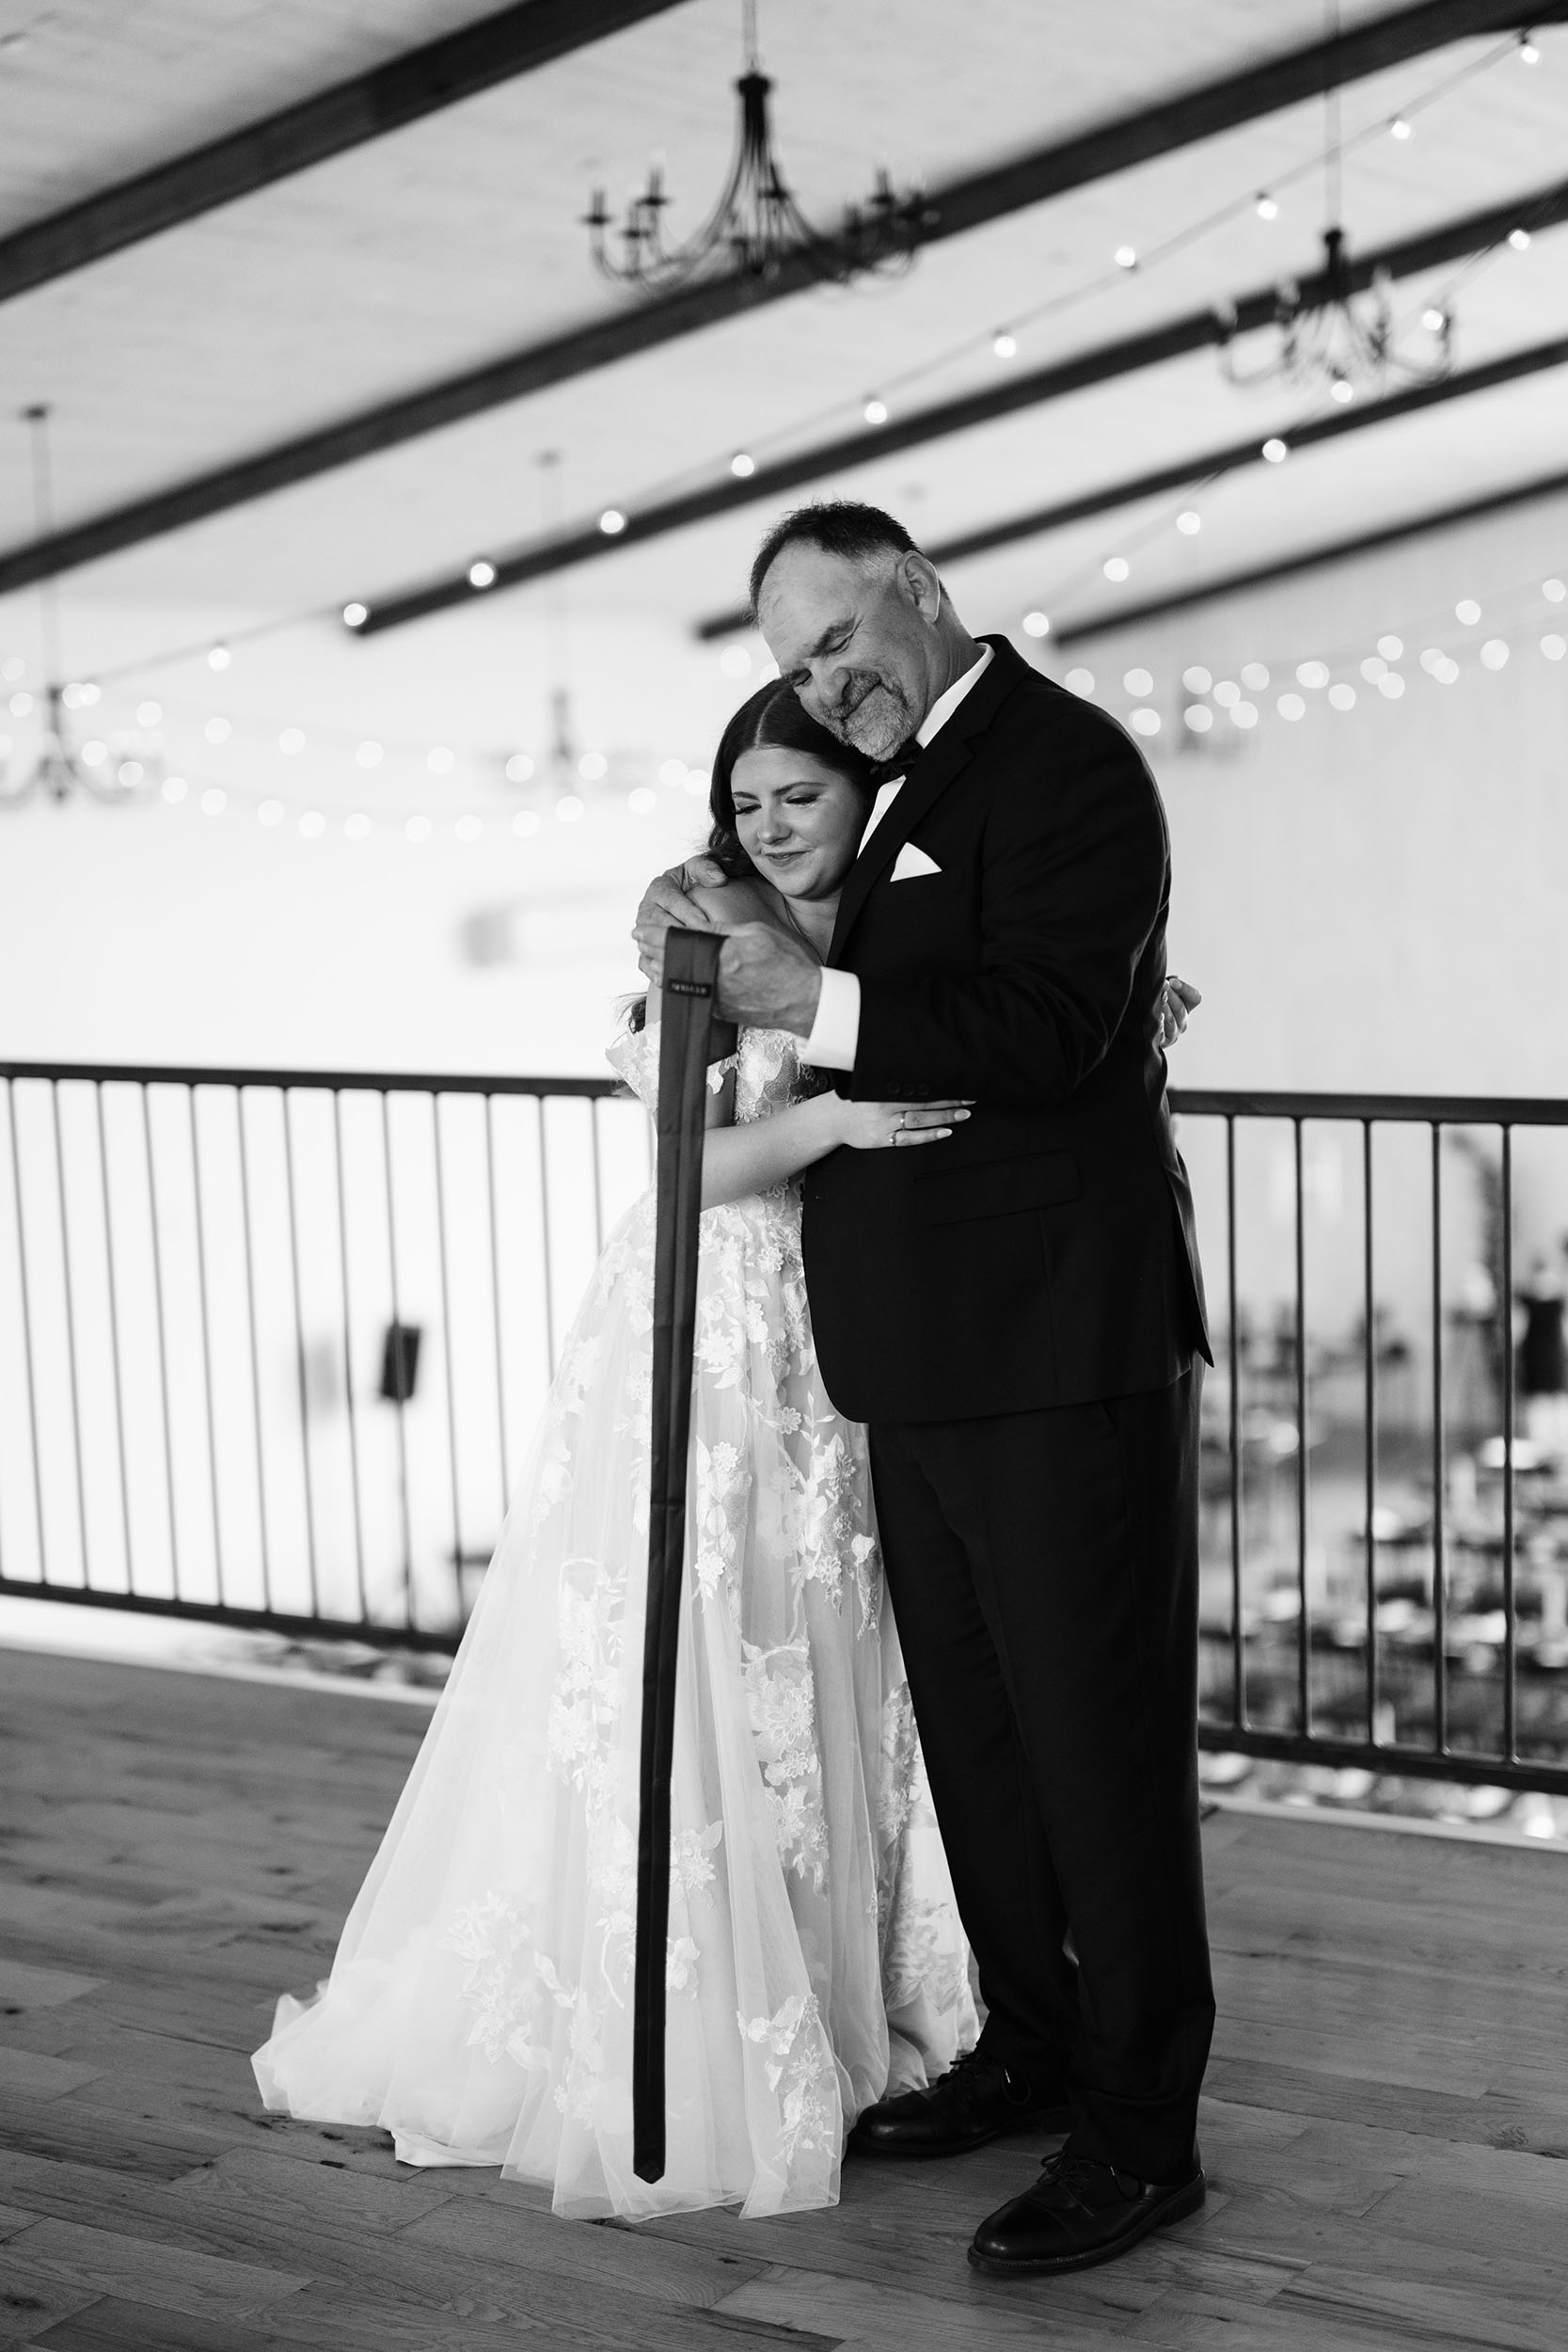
(1080, 2213)
(975, 2101)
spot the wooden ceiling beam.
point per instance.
(1105, 624)
(1012, 390)
(517, 39)
(1190, 474)
(1221, 105)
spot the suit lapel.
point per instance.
(926, 779)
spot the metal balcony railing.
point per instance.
(272, 1344)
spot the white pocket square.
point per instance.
(910, 862)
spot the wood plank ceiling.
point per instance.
(434, 249)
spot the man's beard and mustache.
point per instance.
(876, 716)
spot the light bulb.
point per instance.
(355, 615)
(1036, 625)
(518, 768)
(1126, 257)
(743, 465)
(1390, 647)
(1188, 522)
(1145, 721)
(1198, 717)
(1494, 653)
(1528, 52)
(1243, 714)
(1435, 320)
(219, 658)
(875, 411)
(1197, 680)
(1398, 128)
(1227, 694)
(1005, 345)
(1467, 610)
(1553, 647)
(1554, 591)
(1254, 673)
(592, 765)
(1139, 683)
(1519, 239)
(612, 522)
(1080, 681)
(1342, 390)
(1290, 707)
(1275, 451)
(312, 824)
(1342, 697)
(149, 714)
(482, 573)
(1116, 568)
(1267, 208)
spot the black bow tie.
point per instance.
(898, 764)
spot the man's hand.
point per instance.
(768, 981)
(664, 902)
(1177, 999)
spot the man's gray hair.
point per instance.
(839, 527)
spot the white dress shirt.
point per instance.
(835, 1032)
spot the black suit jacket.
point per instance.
(1046, 1254)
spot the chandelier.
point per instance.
(755, 226)
(1343, 341)
(118, 771)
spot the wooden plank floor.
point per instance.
(1386, 2129)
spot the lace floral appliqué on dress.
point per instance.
(479, 2004)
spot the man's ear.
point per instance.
(918, 580)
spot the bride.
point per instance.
(479, 2004)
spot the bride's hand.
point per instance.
(1177, 999)
(665, 901)
(879, 1126)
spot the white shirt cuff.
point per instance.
(836, 1030)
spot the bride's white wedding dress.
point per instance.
(479, 2004)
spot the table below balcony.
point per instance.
(1385, 2128)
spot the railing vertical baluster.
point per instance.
(545, 1245)
(153, 1221)
(1439, 1565)
(25, 1302)
(114, 1337)
(299, 1351)
(348, 1356)
(1238, 1631)
(495, 1301)
(205, 1345)
(1505, 1309)
(446, 1350)
(1370, 1371)
(598, 1177)
(1303, 1647)
(71, 1337)
(398, 1365)
(255, 1352)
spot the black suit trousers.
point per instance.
(1043, 1569)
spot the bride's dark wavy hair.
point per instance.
(769, 720)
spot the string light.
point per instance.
(217, 730)
(1188, 522)
(312, 825)
(592, 765)
(1005, 345)
(641, 802)
(1267, 207)
(1554, 591)
(612, 522)
(568, 808)
(1116, 568)
(1433, 319)
(218, 657)
(1519, 239)
(1342, 696)
(1036, 624)
(671, 774)
(518, 769)
(1197, 680)
(1398, 128)
(149, 714)
(1494, 653)
(525, 823)
(743, 465)
(369, 755)
(1227, 694)
(174, 788)
(1198, 717)
(1553, 647)
(1254, 674)
(355, 615)
(214, 802)
(875, 411)
(469, 828)
(1391, 649)
(1290, 707)
(736, 662)
(1312, 674)
(1126, 257)
(1275, 451)
(356, 828)
(291, 742)
(1080, 681)
(270, 812)
(1138, 682)
(441, 760)
(418, 829)
(1467, 610)
(482, 573)
(1528, 52)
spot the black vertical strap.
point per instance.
(690, 975)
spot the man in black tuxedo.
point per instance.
(1019, 1323)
